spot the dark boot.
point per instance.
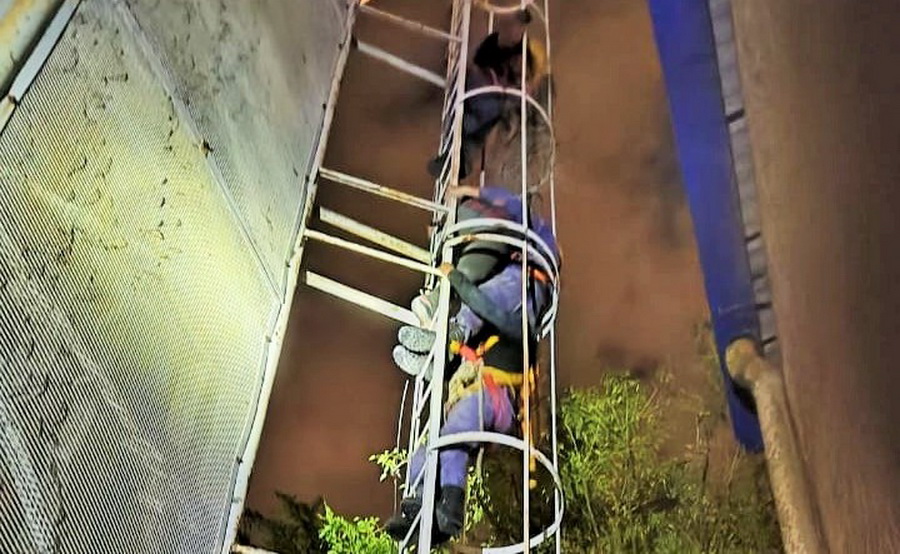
(398, 526)
(450, 513)
(436, 165)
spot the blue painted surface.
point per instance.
(684, 37)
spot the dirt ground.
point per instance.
(820, 84)
(632, 290)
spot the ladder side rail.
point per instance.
(436, 397)
(448, 115)
(448, 112)
(554, 444)
(526, 362)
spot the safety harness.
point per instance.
(497, 382)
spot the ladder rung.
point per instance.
(380, 190)
(374, 235)
(360, 298)
(401, 64)
(414, 25)
(372, 253)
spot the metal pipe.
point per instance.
(550, 119)
(526, 362)
(372, 253)
(380, 190)
(36, 59)
(20, 23)
(374, 235)
(801, 530)
(360, 298)
(403, 22)
(401, 64)
(557, 497)
(400, 431)
(414, 425)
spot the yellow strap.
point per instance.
(456, 346)
(539, 57)
(500, 377)
(487, 345)
(503, 378)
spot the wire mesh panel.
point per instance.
(134, 312)
(243, 68)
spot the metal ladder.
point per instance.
(445, 236)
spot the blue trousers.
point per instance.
(454, 461)
(505, 290)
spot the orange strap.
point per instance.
(540, 276)
(494, 391)
(467, 353)
(472, 354)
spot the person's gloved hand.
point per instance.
(463, 191)
(446, 268)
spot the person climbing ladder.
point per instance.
(482, 397)
(482, 259)
(497, 62)
(505, 276)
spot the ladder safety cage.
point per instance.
(446, 236)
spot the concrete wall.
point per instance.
(820, 83)
(151, 182)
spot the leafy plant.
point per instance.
(391, 463)
(620, 495)
(478, 498)
(343, 536)
(295, 531)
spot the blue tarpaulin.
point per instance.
(684, 37)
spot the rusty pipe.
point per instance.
(798, 518)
